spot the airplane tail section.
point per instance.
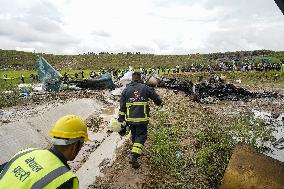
(48, 75)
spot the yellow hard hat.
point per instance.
(69, 126)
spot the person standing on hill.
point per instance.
(134, 110)
(82, 74)
(5, 77)
(32, 76)
(76, 75)
(23, 78)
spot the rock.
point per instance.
(250, 169)
(238, 81)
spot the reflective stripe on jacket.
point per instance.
(35, 169)
(134, 99)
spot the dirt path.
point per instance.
(122, 175)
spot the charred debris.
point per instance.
(215, 89)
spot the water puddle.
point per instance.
(277, 123)
(103, 155)
(108, 111)
(94, 156)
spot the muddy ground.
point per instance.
(104, 162)
(122, 175)
(27, 126)
(37, 103)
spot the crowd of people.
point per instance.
(245, 66)
(118, 73)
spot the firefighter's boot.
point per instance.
(134, 161)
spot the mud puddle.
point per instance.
(108, 111)
(104, 155)
(100, 153)
(278, 153)
(277, 123)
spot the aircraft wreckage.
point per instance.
(209, 91)
(52, 79)
(203, 92)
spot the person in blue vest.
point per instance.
(36, 168)
(134, 110)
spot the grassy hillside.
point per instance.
(10, 59)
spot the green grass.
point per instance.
(26, 60)
(250, 78)
(9, 92)
(215, 144)
(15, 77)
(258, 78)
(190, 146)
(9, 99)
(165, 145)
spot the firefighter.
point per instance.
(134, 110)
(37, 168)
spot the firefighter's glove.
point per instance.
(121, 118)
(124, 129)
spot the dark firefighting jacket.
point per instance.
(134, 108)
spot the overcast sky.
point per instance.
(147, 26)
